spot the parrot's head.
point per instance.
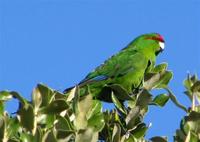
(150, 42)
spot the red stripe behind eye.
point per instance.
(159, 38)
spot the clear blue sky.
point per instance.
(57, 42)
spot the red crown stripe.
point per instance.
(160, 38)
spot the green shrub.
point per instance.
(51, 116)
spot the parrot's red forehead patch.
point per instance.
(158, 37)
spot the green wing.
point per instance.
(118, 65)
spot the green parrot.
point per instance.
(126, 68)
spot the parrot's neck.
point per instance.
(151, 57)
(149, 54)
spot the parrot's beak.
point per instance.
(162, 46)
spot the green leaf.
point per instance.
(159, 139)
(193, 116)
(189, 94)
(118, 104)
(180, 136)
(38, 135)
(49, 137)
(132, 103)
(36, 99)
(87, 135)
(175, 101)
(143, 99)
(25, 137)
(55, 107)
(27, 118)
(84, 106)
(64, 124)
(5, 96)
(129, 138)
(157, 80)
(164, 79)
(65, 136)
(95, 108)
(2, 128)
(22, 100)
(193, 78)
(196, 87)
(192, 122)
(184, 127)
(120, 92)
(46, 93)
(59, 95)
(1, 109)
(159, 68)
(13, 127)
(92, 122)
(192, 137)
(131, 117)
(150, 79)
(188, 83)
(160, 100)
(140, 131)
(46, 120)
(74, 94)
(116, 135)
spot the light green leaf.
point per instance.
(188, 83)
(131, 117)
(46, 119)
(2, 107)
(96, 122)
(118, 104)
(5, 96)
(74, 96)
(87, 135)
(84, 106)
(159, 68)
(160, 100)
(116, 135)
(46, 93)
(95, 108)
(25, 137)
(191, 137)
(36, 99)
(13, 127)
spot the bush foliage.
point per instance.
(52, 116)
